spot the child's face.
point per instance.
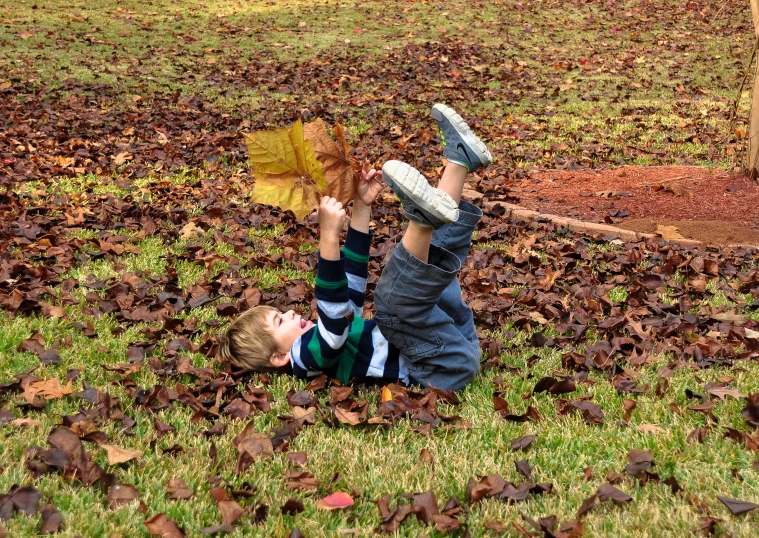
(286, 327)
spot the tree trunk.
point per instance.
(753, 129)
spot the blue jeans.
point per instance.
(420, 310)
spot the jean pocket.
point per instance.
(415, 343)
(419, 349)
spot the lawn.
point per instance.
(127, 240)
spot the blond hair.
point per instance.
(248, 344)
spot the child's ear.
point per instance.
(278, 360)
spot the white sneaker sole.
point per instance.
(414, 185)
(440, 111)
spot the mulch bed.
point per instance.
(711, 206)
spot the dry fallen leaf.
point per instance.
(48, 389)
(288, 174)
(121, 158)
(190, 231)
(722, 392)
(335, 501)
(649, 428)
(26, 423)
(668, 233)
(161, 525)
(339, 167)
(347, 417)
(118, 455)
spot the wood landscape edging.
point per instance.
(513, 210)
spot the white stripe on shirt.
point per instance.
(335, 310)
(379, 357)
(356, 283)
(295, 358)
(335, 341)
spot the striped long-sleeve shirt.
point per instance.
(343, 345)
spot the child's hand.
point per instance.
(370, 184)
(331, 217)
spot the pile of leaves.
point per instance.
(643, 300)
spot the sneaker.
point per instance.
(460, 144)
(422, 203)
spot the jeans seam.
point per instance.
(401, 271)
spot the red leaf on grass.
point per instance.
(335, 501)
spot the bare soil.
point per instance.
(707, 205)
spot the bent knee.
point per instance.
(464, 373)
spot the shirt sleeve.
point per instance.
(333, 305)
(356, 253)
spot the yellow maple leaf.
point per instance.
(339, 167)
(288, 174)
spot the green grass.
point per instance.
(375, 462)
(638, 86)
(665, 74)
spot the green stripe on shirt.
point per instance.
(331, 285)
(348, 356)
(314, 346)
(355, 257)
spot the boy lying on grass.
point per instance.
(422, 332)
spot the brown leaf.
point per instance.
(178, 490)
(736, 506)
(121, 494)
(444, 523)
(297, 458)
(230, 511)
(117, 455)
(252, 447)
(649, 428)
(303, 481)
(629, 405)
(161, 525)
(48, 389)
(522, 443)
(292, 507)
(34, 344)
(190, 231)
(722, 392)
(336, 162)
(607, 491)
(668, 233)
(347, 417)
(51, 519)
(524, 468)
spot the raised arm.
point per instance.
(359, 238)
(332, 300)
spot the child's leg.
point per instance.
(418, 297)
(465, 152)
(410, 317)
(420, 274)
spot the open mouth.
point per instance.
(303, 323)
